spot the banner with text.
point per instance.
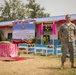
(23, 31)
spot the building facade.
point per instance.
(47, 36)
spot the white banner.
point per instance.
(24, 34)
(23, 31)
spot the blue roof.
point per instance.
(54, 18)
(46, 19)
(5, 23)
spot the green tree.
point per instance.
(16, 9)
(34, 10)
(12, 10)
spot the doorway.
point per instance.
(1, 35)
(9, 36)
(46, 39)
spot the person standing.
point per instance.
(67, 31)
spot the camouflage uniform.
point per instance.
(67, 40)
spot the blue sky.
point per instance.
(56, 7)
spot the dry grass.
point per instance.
(36, 65)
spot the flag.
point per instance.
(54, 28)
(41, 29)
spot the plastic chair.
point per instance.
(23, 47)
(31, 48)
(75, 51)
(40, 47)
(50, 49)
(58, 50)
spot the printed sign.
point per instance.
(24, 31)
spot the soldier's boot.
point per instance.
(62, 66)
(72, 65)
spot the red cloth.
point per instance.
(8, 50)
(54, 29)
(40, 29)
(6, 26)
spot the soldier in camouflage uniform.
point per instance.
(67, 32)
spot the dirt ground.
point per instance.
(36, 65)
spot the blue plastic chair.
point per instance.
(50, 50)
(58, 50)
(23, 46)
(40, 48)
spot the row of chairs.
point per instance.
(41, 48)
(38, 48)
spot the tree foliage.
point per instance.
(16, 9)
(12, 10)
(35, 10)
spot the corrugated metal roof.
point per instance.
(46, 19)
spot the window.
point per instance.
(47, 28)
(9, 36)
(46, 39)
